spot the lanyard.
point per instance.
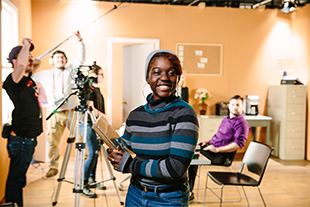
(62, 84)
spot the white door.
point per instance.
(135, 89)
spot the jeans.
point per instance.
(93, 151)
(20, 151)
(137, 198)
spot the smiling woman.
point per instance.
(163, 134)
(163, 73)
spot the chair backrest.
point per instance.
(229, 159)
(256, 158)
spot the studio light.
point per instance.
(288, 7)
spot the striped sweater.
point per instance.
(163, 135)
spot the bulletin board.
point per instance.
(201, 59)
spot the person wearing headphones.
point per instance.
(57, 85)
(163, 135)
(26, 119)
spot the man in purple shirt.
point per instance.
(230, 137)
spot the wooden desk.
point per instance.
(259, 121)
(201, 161)
(209, 125)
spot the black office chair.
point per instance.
(225, 163)
(256, 159)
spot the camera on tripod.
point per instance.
(84, 82)
(94, 79)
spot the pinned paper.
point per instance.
(204, 60)
(198, 52)
(181, 53)
(200, 65)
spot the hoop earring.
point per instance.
(143, 90)
(177, 90)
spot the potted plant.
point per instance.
(203, 95)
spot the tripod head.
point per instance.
(83, 86)
(83, 82)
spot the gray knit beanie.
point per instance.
(149, 57)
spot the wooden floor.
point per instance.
(286, 183)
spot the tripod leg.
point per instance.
(78, 184)
(64, 165)
(92, 115)
(120, 184)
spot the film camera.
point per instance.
(84, 82)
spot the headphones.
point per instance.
(51, 62)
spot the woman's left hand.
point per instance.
(115, 156)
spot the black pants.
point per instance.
(20, 151)
(216, 159)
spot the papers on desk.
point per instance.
(258, 118)
(202, 160)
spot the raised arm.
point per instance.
(22, 61)
(36, 64)
(80, 58)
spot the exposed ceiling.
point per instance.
(249, 4)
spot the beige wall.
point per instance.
(252, 41)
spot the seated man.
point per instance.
(231, 136)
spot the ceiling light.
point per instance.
(288, 7)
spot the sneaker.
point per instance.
(88, 193)
(191, 198)
(98, 186)
(51, 172)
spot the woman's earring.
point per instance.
(144, 88)
(177, 90)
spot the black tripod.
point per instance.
(78, 183)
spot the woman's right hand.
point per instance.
(115, 156)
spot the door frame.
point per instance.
(112, 40)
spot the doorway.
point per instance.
(135, 88)
(126, 79)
